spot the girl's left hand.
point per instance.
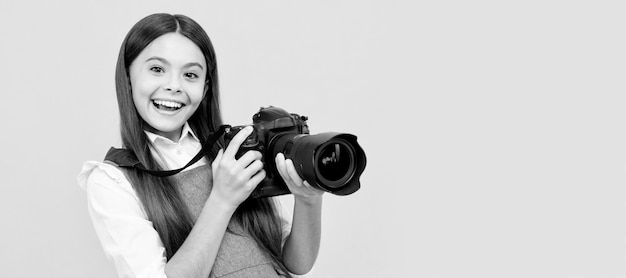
(299, 188)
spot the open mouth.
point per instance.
(167, 105)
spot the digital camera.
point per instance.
(330, 161)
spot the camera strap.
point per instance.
(126, 158)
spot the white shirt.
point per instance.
(127, 236)
(174, 155)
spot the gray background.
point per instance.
(494, 129)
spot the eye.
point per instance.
(191, 75)
(156, 69)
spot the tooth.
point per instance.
(168, 103)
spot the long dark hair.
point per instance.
(161, 200)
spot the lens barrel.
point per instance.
(329, 161)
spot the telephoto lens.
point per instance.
(329, 161)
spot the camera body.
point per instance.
(329, 161)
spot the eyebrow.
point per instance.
(162, 60)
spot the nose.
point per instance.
(173, 85)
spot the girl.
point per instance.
(199, 222)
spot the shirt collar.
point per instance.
(186, 132)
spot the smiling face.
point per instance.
(168, 83)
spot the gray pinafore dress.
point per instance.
(239, 255)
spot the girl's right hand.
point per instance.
(235, 179)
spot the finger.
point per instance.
(249, 157)
(307, 184)
(217, 158)
(291, 171)
(253, 168)
(256, 179)
(280, 166)
(236, 142)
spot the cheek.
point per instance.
(140, 86)
(196, 94)
(139, 97)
